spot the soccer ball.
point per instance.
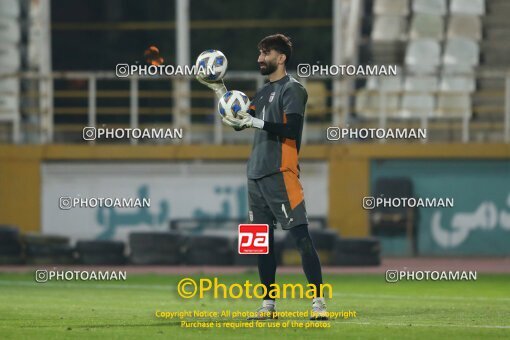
(232, 102)
(211, 59)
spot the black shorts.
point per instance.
(277, 198)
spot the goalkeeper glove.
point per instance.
(232, 124)
(217, 86)
(243, 120)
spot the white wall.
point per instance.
(176, 190)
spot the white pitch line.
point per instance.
(410, 324)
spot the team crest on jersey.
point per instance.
(271, 96)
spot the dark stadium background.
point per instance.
(56, 85)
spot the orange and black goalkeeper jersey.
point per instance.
(275, 149)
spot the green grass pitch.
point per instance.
(126, 310)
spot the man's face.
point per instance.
(268, 61)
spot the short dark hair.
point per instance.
(277, 42)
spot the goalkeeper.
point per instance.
(274, 191)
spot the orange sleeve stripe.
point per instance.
(294, 188)
(289, 156)
(289, 159)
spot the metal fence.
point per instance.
(56, 108)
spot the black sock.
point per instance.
(309, 257)
(267, 266)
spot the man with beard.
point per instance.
(274, 190)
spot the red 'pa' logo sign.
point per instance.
(253, 239)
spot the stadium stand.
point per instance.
(423, 56)
(460, 55)
(391, 7)
(433, 7)
(452, 47)
(389, 28)
(465, 26)
(461, 39)
(10, 60)
(472, 7)
(427, 26)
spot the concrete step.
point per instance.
(493, 59)
(385, 53)
(489, 84)
(496, 9)
(492, 6)
(501, 34)
(494, 21)
(495, 46)
(485, 100)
